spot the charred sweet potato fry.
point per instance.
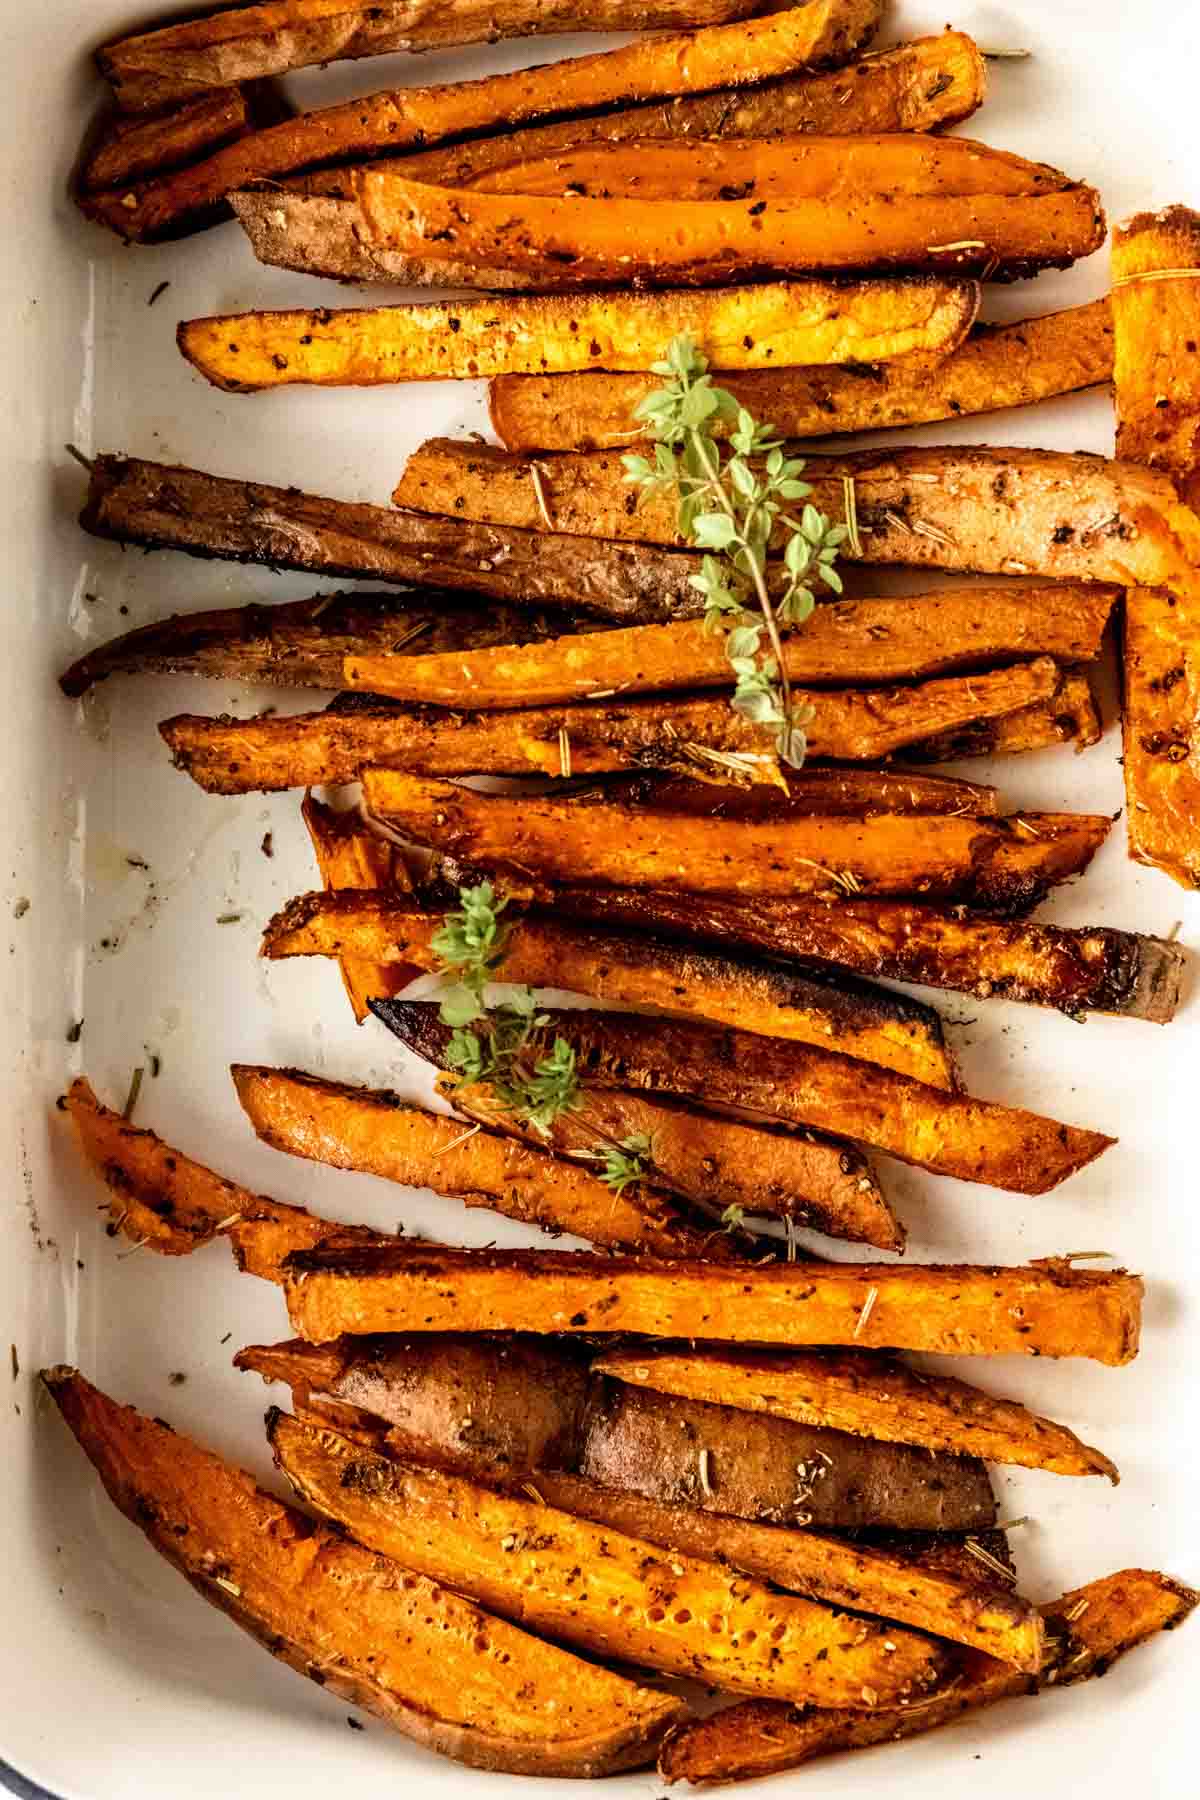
(1156, 275)
(272, 751)
(750, 327)
(591, 1586)
(947, 1133)
(850, 791)
(246, 43)
(998, 366)
(1091, 1627)
(959, 1311)
(389, 123)
(1071, 717)
(866, 1395)
(984, 862)
(349, 857)
(1078, 969)
(429, 1663)
(166, 508)
(381, 931)
(129, 149)
(377, 1133)
(858, 641)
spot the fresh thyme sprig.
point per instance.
(729, 508)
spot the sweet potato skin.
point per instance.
(863, 1394)
(432, 1665)
(554, 1572)
(956, 1311)
(131, 148)
(775, 1002)
(847, 791)
(811, 321)
(998, 366)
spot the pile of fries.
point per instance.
(677, 1450)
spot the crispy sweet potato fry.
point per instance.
(132, 148)
(1070, 718)
(1000, 512)
(998, 366)
(427, 1662)
(804, 321)
(595, 1587)
(383, 931)
(388, 123)
(801, 1084)
(857, 641)
(1077, 969)
(1156, 276)
(1092, 1626)
(246, 43)
(981, 862)
(349, 857)
(377, 1133)
(165, 508)
(272, 751)
(864, 1394)
(958, 1311)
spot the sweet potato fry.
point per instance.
(851, 791)
(857, 641)
(272, 751)
(524, 1561)
(983, 862)
(1001, 512)
(165, 508)
(958, 1311)
(1077, 969)
(751, 327)
(1156, 272)
(997, 367)
(349, 857)
(430, 1664)
(383, 931)
(377, 1133)
(1070, 718)
(800, 1084)
(1092, 1626)
(389, 123)
(132, 148)
(866, 1395)
(247, 43)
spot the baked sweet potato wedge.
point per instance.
(130, 148)
(166, 508)
(382, 931)
(866, 1395)
(1047, 1309)
(391, 122)
(1077, 969)
(848, 641)
(432, 1665)
(377, 1133)
(982, 862)
(272, 751)
(1156, 270)
(998, 366)
(247, 43)
(1072, 717)
(594, 1587)
(349, 857)
(1001, 512)
(1091, 1627)
(741, 327)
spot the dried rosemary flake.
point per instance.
(462, 1138)
(231, 1587)
(705, 1483)
(974, 1548)
(135, 1088)
(867, 1308)
(564, 752)
(535, 475)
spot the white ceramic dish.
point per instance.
(116, 1680)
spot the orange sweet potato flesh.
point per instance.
(880, 1027)
(1090, 1628)
(866, 1395)
(1047, 1309)
(376, 1133)
(597, 1588)
(1071, 717)
(349, 857)
(247, 43)
(429, 1663)
(999, 863)
(998, 366)
(1156, 278)
(858, 641)
(397, 120)
(132, 148)
(273, 751)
